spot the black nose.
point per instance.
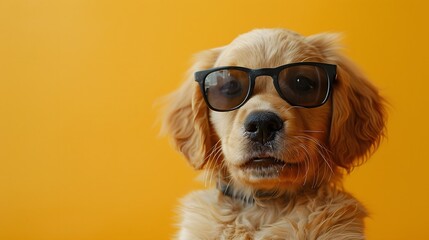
(262, 127)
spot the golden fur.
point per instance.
(304, 200)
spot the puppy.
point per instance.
(275, 119)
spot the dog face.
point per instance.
(268, 144)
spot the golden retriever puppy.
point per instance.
(275, 119)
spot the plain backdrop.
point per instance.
(80, 156)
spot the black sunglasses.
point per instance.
(304, 84)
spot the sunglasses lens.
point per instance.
(304, 85)
(226, 89)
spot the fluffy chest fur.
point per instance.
(326, 214)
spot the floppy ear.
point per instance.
(358, 110)
(186, 118)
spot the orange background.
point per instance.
(79, 153)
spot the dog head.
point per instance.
(268, 143)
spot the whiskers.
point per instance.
(324, 154)
(212, 160)
(315, 169)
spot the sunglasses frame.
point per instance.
(330, 70)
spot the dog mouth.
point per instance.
(267, 162)
(264, 162)
(262, 168)
(266, 170)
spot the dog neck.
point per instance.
(229, 191)
(250, 198)
(263, 197)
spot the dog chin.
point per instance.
(269, 174)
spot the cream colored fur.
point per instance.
(305, 201)
(324, 215)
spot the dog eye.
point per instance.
(231, 88)
(303, 84)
